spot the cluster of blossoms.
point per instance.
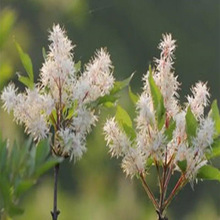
(163, 136)
(60, 101)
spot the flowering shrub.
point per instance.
(168, 136)
(62, 105)
(61, 99)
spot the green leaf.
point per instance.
(42, 152)
(23, 186)
(44, 53)
(26, 81)
(77, 66)
(215, 149)
(191, 125)
(214, 113)
(157, 101)
(149, 161)
(47, 166)
(182, 165)
(7, 20)
(170, 129)
(123, 117)
(15, 210)
(119, 85)
(26, 61)
(209, 172)
(107, 100)
(134, 98)
(130, 132)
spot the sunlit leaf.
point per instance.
(129, 131)
(123, 117)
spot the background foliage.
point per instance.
(95, 188)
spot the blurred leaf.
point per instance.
(134, 98)
(209, 172)
(182, 165)
(7, 20)
(157, 101)
(47, 165)
(23, 186)
(42, 152)
(123, 117)
(214, 113)
(215, 149)
(191, 125)
(6, 71)
(27, 63)
(15, 210)
(20, 168)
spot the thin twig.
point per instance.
(55, 211)
(180, 183)
(148, 191)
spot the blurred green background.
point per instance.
(95, 188)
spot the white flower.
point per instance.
(97, 80)
(78, 146)
(179, 134)
(199, 100)
(9, 97)
(205, 132)
(58, 68)
(164, 77)
(116, 139)
(133, 162)
(145, 110)
(84, 120)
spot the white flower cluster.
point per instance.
(61, 98)
(153, 142)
